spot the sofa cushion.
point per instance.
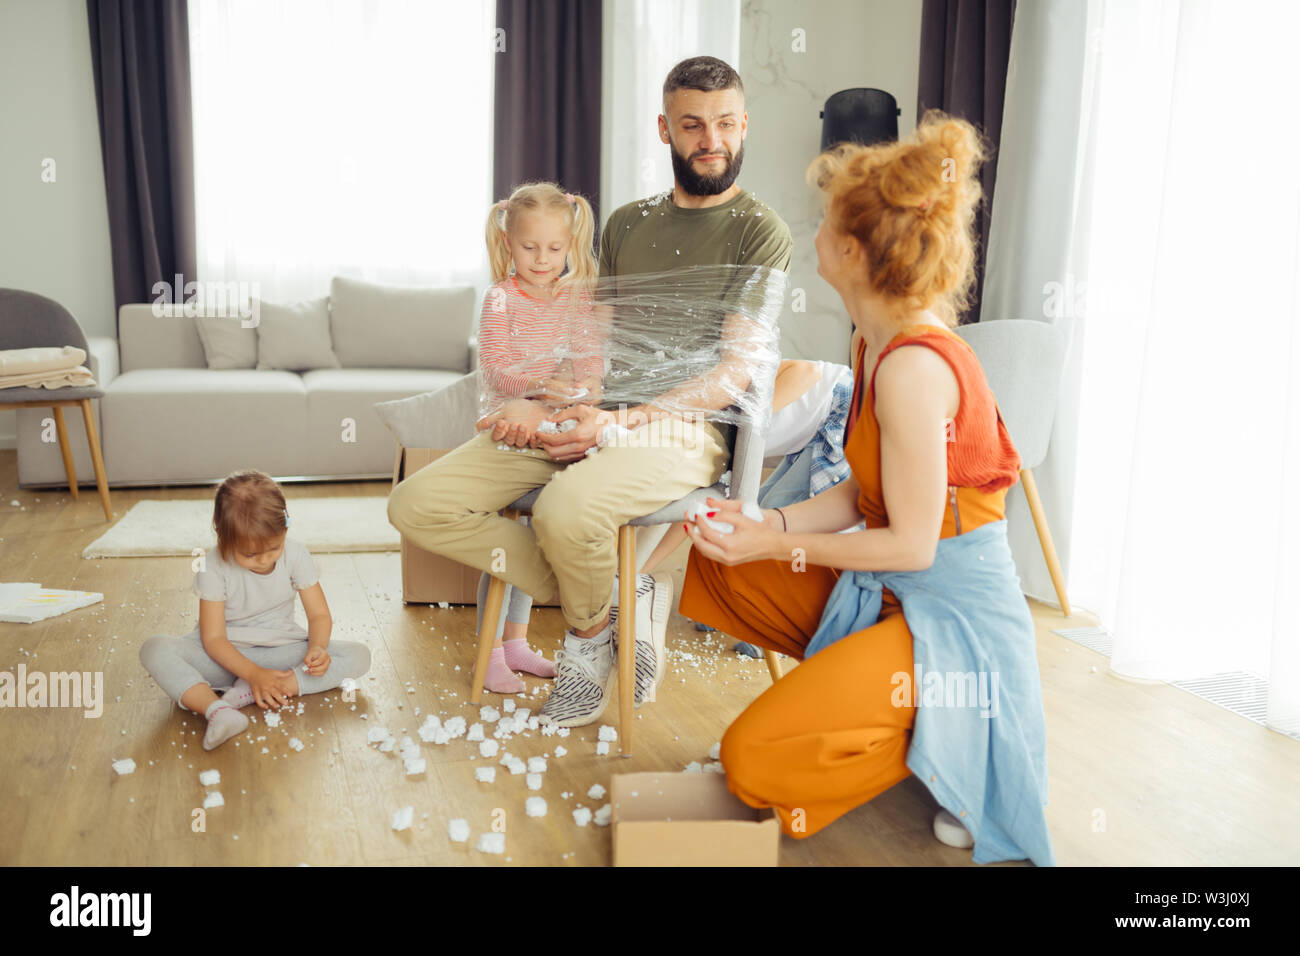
(378, 326)
(442, 418)
(226, 343)
(295, 337)
(345, 435)
(168, 339)
(178, 425)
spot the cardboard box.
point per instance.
(688, 819)
(428, 578)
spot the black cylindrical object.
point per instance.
(862, 115)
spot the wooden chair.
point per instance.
(746, 471)
(28, 320)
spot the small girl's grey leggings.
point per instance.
(517, 603)
(178, 663)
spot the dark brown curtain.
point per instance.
(547, 110)
(965, 45)
(140, 52)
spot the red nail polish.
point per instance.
(711, 514)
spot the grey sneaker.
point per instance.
(584, 678)
(654, 596)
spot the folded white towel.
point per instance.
(79, 377)
(26, 361)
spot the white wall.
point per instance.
(849, 43)
(53, 236)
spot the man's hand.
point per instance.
(573, 444)
(515, 422)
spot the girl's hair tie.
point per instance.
(924, 205)
(286, 518)
(570, 197)
(503, 203)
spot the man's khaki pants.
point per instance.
(450, 507)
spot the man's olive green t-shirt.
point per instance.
(657, 236)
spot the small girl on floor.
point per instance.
(247, 641)
(540, 349)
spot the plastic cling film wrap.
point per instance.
(701, 342)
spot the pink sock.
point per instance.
(520, 657)
(500, 678)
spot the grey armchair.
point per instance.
(28, 320)
(1023, 360)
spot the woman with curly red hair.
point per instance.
(930, 582)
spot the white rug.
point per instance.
(163, 528)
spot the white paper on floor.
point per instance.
(162, 528)
(22, 602)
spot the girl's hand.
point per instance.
(750, 541)
(516, 422)
(317, 661)
(270, 687)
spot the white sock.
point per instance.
(224, 722)
(600, 638)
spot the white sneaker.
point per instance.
(948, 830)
(654, 596)
(584, 678)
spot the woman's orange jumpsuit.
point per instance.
(826, 738)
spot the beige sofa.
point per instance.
(167, 418)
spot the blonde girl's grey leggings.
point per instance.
(178, 663)
(517, 603)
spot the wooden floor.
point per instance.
(1140, 773)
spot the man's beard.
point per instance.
(709, 184)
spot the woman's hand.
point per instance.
(750, 541)
(270, 687)
(573, 444)
(317, 661)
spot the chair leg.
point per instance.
(69, 468)
(1045, 538)
(773, 664)
(96, 457)
(496, 597)
(626, 634)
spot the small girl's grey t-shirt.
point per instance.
(259, 607)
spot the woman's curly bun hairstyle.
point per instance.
(911, 204)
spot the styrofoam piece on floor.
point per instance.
(715, 751)
(272, 718)
(124, 767)
(582, 816)
(295, 744)
(402, 818)
(693, 767)
(508, 706)
(489, 714)
(714, 767)
(560, 751)
(607, 733)
(537, 765)
(475, 733)
(596, 791)
(210, 778)
(458, 830)
(602, 748)
(485, 774)
(534, 781)
(535, 807)
(414, 766)
(213, 800)
(603, 815)
(491, 843)
(488, 748)
(376, 735)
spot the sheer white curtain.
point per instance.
(644, 39)
(1178, 450)
(341, 138)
